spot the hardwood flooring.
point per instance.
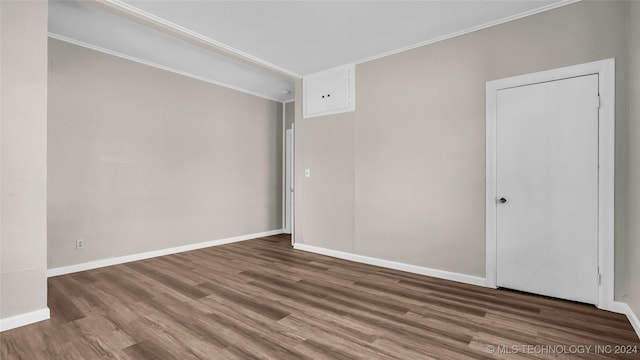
(260, 299)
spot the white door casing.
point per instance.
(547, 185)
(288, 181)
(605, 70)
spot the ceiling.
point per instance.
(281, 40)
(81, 23)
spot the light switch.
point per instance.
(307, 172)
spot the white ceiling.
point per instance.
(82, 23)
(293, 37)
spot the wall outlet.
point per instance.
(79, 244)
(307, 172)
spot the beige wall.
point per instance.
(633, 202)
(402, 178)
(324, 209)
(289, 114)
(23, 157)
(141, 159)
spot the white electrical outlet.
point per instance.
(79, 244)
(307, 172)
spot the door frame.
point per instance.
(606, 161)
(291, 189)
(289, 175)
(293, 184)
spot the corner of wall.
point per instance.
(633, 133)
(23, 234)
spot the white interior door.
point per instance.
(547, 186)
(288, 219)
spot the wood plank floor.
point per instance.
(259, 299)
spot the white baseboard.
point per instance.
(441, 274)
(151, 254)
(633, 318)
(616, 307)
(13, 322)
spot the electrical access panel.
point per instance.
(329, 92)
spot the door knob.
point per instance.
(503, 200)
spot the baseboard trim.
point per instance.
(16, 321)
(633, 318)
(151, 254)
(615, 306)
(441, 274)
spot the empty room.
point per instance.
(319, 179)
